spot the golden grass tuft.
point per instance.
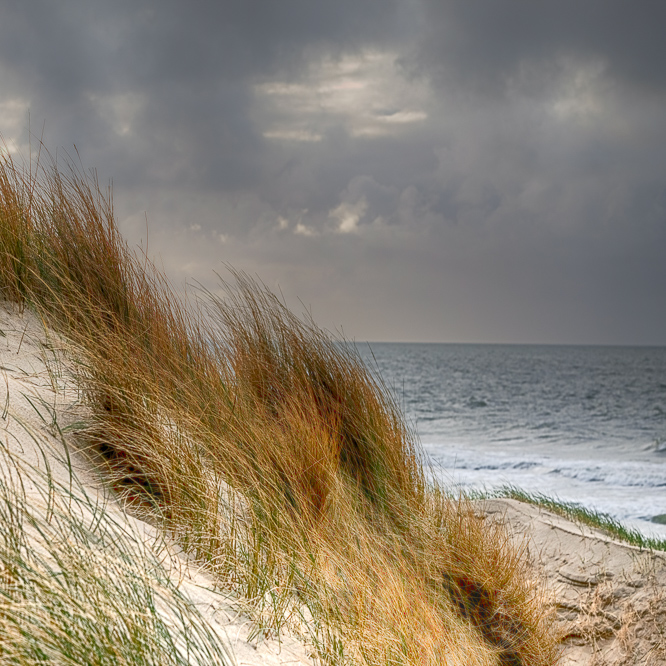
(266, 447)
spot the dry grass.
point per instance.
(265, 446)
(78, 587)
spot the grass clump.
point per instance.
(78, 587)
(266, 448)
(581, 515)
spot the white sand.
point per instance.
(609, 598)
(36, 392)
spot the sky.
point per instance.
(405, 170)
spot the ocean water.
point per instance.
(580, 423)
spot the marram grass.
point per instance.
(78, 587)
(579, 514)
(265, 447)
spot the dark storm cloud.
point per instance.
(192, 65)
(485, 44)
(423, 169)
(148, 42)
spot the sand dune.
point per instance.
(609, 597)
(40, 406)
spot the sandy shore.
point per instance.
(609, 598)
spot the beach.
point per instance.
(609, 598)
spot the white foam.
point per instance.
(629, 491)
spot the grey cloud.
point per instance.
(192, 63)
(499, 165)
(483, 45)
(173, 40)
(379, 168)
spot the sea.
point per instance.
(583, 424)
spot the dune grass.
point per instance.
(265, 447)
(78, 587)
(581, 515)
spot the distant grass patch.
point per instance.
(578, 514)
